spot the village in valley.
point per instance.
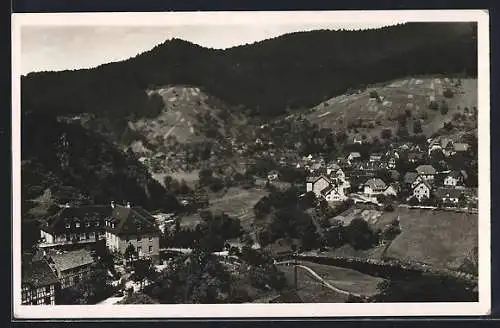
(192, 175)
(361, 200)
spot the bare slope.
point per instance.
(184, 116)
(361, 114)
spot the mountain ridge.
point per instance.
(267, 77)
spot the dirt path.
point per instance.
(321, 280)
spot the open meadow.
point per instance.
(310, 289)
(438, 238)
(236, 202)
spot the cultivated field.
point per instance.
(439, 238)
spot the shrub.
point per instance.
(444, 107)
(417, 127)
(386, 134)
(448, 93)
(373, 94)
(433, 105)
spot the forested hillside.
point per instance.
(288, 72)
(65, 163)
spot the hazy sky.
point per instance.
(46, 48)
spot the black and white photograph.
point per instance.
(251, 164)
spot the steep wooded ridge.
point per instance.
(293, 71)
(67, 163)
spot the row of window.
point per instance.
(110, 224)
(82, 236)
(47, 300)
(139, 238)
(78, 225)
(139, 249)
(40, 292)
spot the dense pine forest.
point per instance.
(289, 72)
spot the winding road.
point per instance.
(320, 279)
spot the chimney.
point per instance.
(112, 204)
(128, 204)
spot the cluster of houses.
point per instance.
(447, 146)
(332, 181)
(446, 187)
(64, 256)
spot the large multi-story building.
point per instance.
(74, 225)
(133, 226)
(119, 225)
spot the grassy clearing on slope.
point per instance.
(310, 290)
(236, 202)
(345, 279)
(439, 238)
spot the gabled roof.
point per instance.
(376, 184)
(71, 259)
(131, 220)
(83, 214)
(410, 177)
(425, 169)
(37, 272)
(328, 189)
(425, 183)
(312, 179)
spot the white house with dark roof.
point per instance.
(334, 170)
(333, 193)
(376, 186)
(74, 225)
(324, 187)
(316, 184)
(119, 225)
(134, 226)
(448, 195)
(453, 179)
(440, 144)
